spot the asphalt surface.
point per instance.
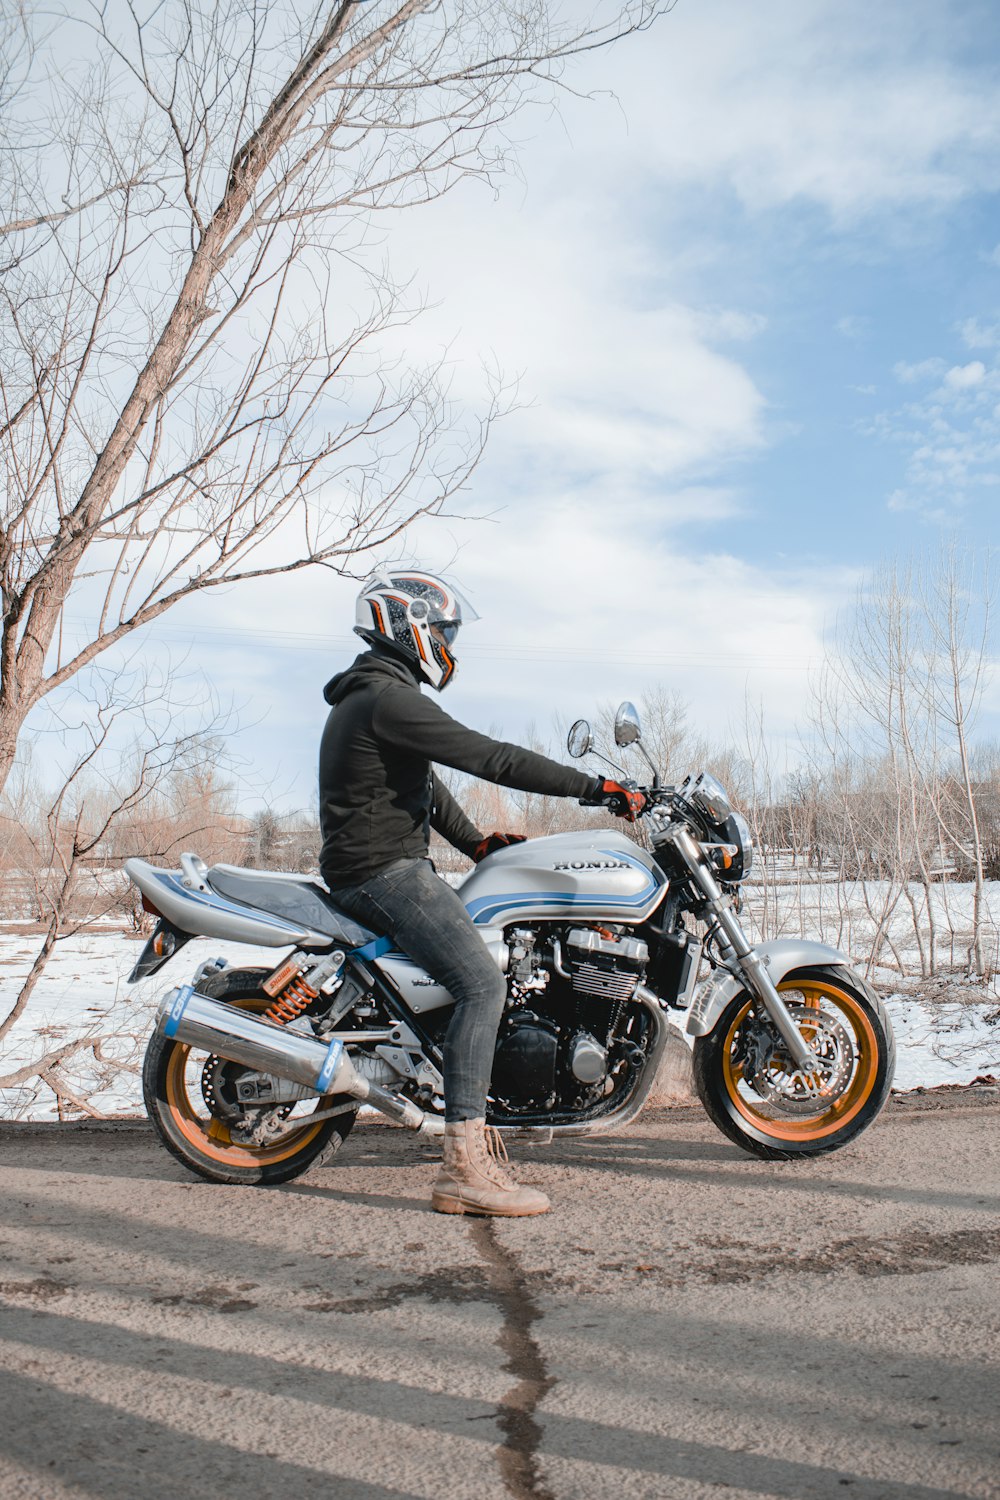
(688, 1322)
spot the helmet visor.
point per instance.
(445, 630)
(458, 609)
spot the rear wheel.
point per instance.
(755, 1094)
(190, 1100)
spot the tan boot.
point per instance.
(473, 1179)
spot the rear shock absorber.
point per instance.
(291, 1002)
(294, 988)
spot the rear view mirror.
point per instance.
(579, 739)
(627, 727)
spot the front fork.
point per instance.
(745, 958)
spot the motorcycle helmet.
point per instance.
(417, 615)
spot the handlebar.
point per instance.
(653, 796)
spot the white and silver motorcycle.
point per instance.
(254, 1074)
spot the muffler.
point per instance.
(186, 1016)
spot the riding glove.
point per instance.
(623, 801)
(494, 841)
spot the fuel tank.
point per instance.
(577, 876)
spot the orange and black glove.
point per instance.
(494, 841)
(624, 801)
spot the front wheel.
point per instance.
(755, 1094)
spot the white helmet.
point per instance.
(418, 614)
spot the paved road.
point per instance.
(689, 1322)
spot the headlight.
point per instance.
(738, 832)
(709, 797)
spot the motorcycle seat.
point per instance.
(297, 898)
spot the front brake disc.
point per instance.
(772, 1074)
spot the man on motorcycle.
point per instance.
(379, 799)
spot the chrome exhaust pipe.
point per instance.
(186, 1016)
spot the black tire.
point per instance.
(203, 1145)
(784, 1133)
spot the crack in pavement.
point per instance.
(499, 1280)
(517, 1456)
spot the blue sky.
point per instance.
(833, 360)
(753, 301)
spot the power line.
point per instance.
(287, 640)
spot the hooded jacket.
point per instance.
(379, 797)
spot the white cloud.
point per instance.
(979, 335)
(614, 380)
(853, 108)
(951, 441)
(925, 369)
(726, 324)
(853, 327)
(961, 377)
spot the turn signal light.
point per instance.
(164, 943)
(723, 856)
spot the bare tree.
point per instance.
(263, 840)
(72, 850)
(125, 785)
(985, 769)
(897, 711)
(190, 805)
(198, 384)
(957, 597)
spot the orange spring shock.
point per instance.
(291, 1002)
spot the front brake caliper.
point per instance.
(755, 1048)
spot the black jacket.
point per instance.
(379, 797)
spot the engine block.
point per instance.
(608, 968)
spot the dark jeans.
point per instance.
(426, 919)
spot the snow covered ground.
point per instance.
(83, 996)
(787, 901)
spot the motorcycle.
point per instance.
(254, 1074)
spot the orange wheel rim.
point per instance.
(210, 1136)
(841, 1109)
